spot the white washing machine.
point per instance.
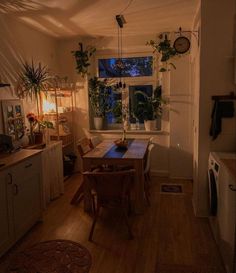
(222, 203)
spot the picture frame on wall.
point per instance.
(13, 118)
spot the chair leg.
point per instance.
(127, 223)
(94, 223)
(147, 192)
(78, 196)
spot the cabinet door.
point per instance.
(6, 227)
(26, 190)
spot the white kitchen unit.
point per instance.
(20, 195)
(52, 172)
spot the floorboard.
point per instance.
(168, 237)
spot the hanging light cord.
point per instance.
(130, 2)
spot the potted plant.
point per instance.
(82, 58)
(149, 108)
(163, 46)
(32, 80)
(99, 93)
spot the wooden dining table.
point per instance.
(107, 153)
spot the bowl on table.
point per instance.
(121, 144)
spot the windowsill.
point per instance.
(136, 132)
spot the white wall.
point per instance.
(18, 43)
(216, 78)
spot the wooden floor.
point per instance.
(168, 238)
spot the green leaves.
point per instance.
(99, 96)
(166, 51)
(82, 59)
(33, 79)
(149, 107)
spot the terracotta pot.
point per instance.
(38, 137)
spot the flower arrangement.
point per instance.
(37, 124)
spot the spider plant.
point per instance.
(33, 79)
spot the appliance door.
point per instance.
(212, 192)
(227, 219)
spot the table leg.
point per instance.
(139, 187)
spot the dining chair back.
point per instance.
(84, 146)
(112, 190)
(94, 141)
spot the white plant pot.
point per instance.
(98, 123)
(150, 125)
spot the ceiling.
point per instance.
(96, 18)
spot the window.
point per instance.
(132, 67)
(138, 73)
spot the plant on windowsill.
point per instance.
(167, 52)
(82, 58)
(99, 94)
(149, 108)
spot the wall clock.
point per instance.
(181, 44)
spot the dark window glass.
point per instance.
(126, 67)
(115, 116)
(136, 110)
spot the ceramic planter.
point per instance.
(150, 125)
(98, 123)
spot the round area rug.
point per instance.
(57, 256)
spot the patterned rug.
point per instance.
(57, 256)
(171, 188)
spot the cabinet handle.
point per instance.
(15, 189)
(10, 179)
(28, 165)
(232, 187)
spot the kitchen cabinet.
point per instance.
(20, 199)
(6, 227)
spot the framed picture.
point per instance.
(13, 118)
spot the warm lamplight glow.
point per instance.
(49, 107)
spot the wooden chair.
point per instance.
(147, 173)
(94, 141)
(84, 146)
(112, 191)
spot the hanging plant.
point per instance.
(167, 52)
(82, 58)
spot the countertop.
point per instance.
(11, 159)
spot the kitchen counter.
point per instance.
(13, 158)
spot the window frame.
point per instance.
(130, 81)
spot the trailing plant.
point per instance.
(33, 78)
(163, 47)
(149, 107)
(82, 58)
(99, 96)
